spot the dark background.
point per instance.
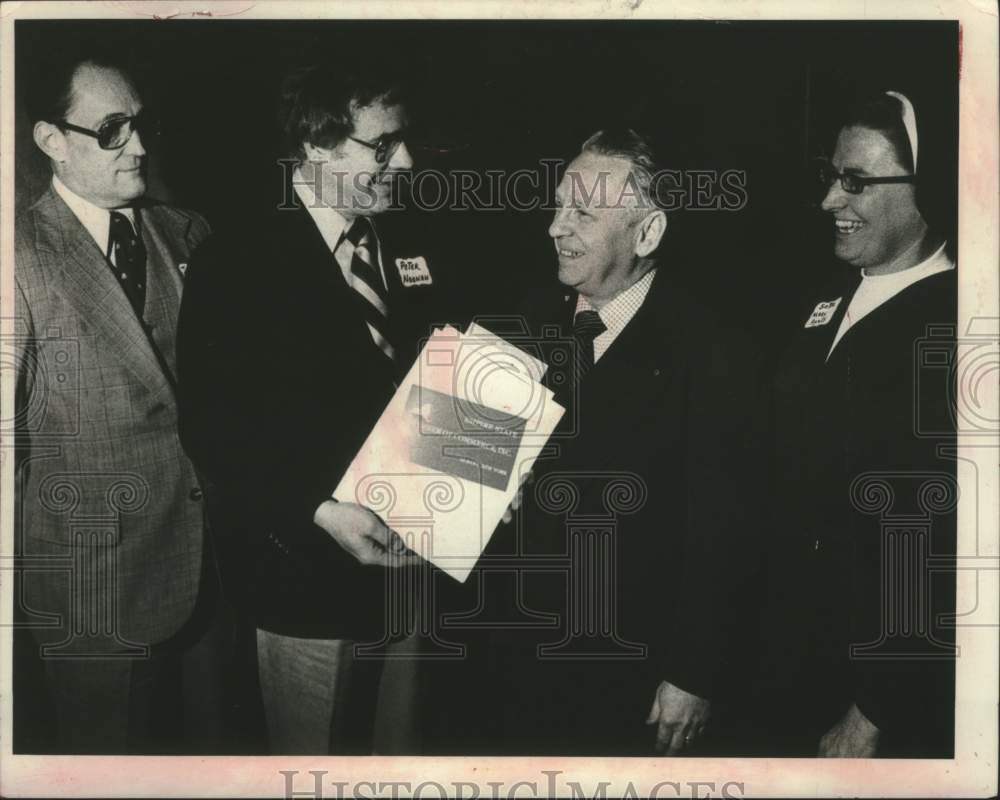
(761, 97)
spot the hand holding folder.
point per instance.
(447, 457)
(362, 534)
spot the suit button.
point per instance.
(196, 494)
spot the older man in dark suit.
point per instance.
(117, 581)
(296, 327)
(624, 545)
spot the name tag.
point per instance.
(413, 271)
(823, 313)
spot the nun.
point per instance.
(864, 491)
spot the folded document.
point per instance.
(449, 452)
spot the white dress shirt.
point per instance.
(874, 290)
(332, 226)
(95, 219)
(617, 312)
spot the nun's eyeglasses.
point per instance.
(855, 184)
(115, 133)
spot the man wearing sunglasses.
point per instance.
(866, 667)
(296, 327)
(117, 579)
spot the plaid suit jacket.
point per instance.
(109, 516)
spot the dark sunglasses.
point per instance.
(115, 133)
(855, 184)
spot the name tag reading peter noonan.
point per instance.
(462, 438)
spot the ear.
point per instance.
(312, 153)
(50, 140)
(651, 231)
(319, 154)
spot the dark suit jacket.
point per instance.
(856, 441)
(280, 385)
(100, 463)
(659, 447)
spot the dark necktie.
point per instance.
(129, 260)
(587, 326)
(366, 281)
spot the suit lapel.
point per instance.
(160, 234)
(314, 262)
(307, 252)
(392, 283)
(645, 342)
(92, 287)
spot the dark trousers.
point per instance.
(168, 703)
(174, 699)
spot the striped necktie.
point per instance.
(587, 326)
(366, 280)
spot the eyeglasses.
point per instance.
(115, 133)
(385, 148)
(855, 184)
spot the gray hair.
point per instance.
(638, 150)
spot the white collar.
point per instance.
(618, 311)
(876, 290)
(331, 223)
(936, 262)
(95, 219)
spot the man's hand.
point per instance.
(362, 534)
(680, 718)
(854, 736)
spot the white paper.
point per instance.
(444, 517)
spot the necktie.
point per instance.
(129, 262)
(587, 326)
(366, 280)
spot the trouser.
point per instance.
(171, 701)
(319, 698)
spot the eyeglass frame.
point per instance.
(142, 116)
(380, 145)
(828, 174)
